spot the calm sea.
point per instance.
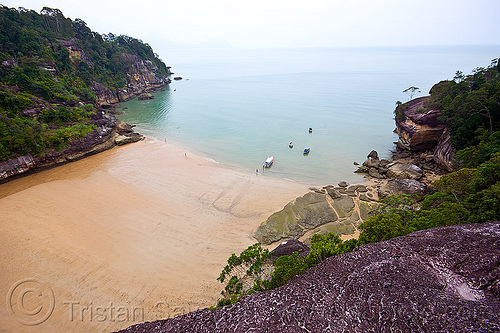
(238, 107)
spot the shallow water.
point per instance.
(239, 107)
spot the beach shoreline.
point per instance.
(146, 226)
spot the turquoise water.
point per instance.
(240, 106)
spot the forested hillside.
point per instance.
(50, 68)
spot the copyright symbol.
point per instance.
(31, 301)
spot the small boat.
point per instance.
(310, 129)
(290, 144)
(307, 150)
(268, 162)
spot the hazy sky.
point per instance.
(288, 23)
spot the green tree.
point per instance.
(411, 91)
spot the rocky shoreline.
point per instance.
(110, 132)
(423, 154)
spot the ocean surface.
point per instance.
(238, 107)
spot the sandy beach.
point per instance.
(134, 234)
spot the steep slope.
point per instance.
(57, 79)
(437, 280)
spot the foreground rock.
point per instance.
(438, 280)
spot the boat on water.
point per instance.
(307, 150)
(268, 162)
(310, 129)
(290, 144)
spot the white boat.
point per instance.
(307, 150)
(268, 162)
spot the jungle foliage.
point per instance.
(50, 62)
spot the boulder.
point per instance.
(332, 192)
(362, 169)
(343, 184)
(373, 155)
(374, 172)
(129, 138)
(371, 163)
(437, 280)
(402, 186)
(145, 96)
(404, 171)
(288, 247)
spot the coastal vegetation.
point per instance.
(470, 106)
(49, 64)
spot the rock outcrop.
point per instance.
(402, 186)
(109, 132)
(437, 280)
(444, 152)
(141, 79)
(418, 129)
(288, 247)
(330, 209)
(404, 171)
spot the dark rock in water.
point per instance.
(343, 184)
(355, 163)
(438, 280)
(373, 154)
(145, 96)
(288, 248)
(362, 169)
(177, 78)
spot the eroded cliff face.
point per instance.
(109, 132)
(418, 129)
(444, 152)
(141, 78)
(437, 280)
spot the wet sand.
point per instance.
(134, 234)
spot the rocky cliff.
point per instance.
(418, 128)
(437, 280)
(60, 67)
(141, 78)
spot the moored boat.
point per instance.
(307, 150)
(268, 162)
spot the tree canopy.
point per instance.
(47, 65)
